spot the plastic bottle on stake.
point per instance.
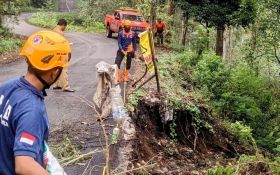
(118, 109)
(115, 135)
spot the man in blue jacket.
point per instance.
(127, 47)
(24, 124)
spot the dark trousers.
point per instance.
(159, 36)
(120, 57)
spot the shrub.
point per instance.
(221, 171)
(75, 22)
(236, 93)
(9, 44)
(210, 75)
(243, 132)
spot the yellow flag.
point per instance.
(146, 50)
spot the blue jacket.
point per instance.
(23, 124)
(126, 40)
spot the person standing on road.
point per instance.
(63, 81)
(24, 122)
(159, 29)
(127, 47)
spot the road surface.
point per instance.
(88, 49)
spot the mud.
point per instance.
(193, 151)
(155, 145)
(7, 58)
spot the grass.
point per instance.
(75, 23)
(9, 44)
(133, 99)
(247, 164)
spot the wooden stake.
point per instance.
(154, 58)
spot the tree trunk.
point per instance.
(208, 35)
(0, 20)
(184, 32)
(171, 8)
(220, 41)
(153, 12)
(226, 46)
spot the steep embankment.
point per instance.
(178, 133)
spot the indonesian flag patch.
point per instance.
(27, 138)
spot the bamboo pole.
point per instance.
(154, 59)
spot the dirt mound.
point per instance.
(6, 58)
(253, 168)
(190, 151)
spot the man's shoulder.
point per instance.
(16, 94)
(27, 104)
(58, 30)
(9, 83)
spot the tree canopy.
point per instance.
(219, 13)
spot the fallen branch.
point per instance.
(81, 157)
(87, 166)
(103, 129)
(136, 169)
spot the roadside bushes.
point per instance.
(234, 92)
(247, 165)
(76, 23)
(9, 43)
(237, 93)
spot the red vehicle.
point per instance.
(114, 23)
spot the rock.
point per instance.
(191, 166)
(201, 163)
(164, 142)
(143, 162)
(195, 172)
(154, 100)
(138, 165)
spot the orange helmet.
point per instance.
(46, 50)
(127, 23)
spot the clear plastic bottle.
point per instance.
(118, 109)
(52, 164)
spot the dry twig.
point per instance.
(103, 128)
(81, 157)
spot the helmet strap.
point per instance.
(46, 85)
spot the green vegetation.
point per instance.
(226, 57)
(11, 7)
(75, 22)
(9, 44)
(247, 164)
(219, 14)
(134, 98)
(234, 92)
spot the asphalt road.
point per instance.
(87, 50)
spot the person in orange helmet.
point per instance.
(24, 122)
(127, 47)
(159, 29)
(63, 81)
